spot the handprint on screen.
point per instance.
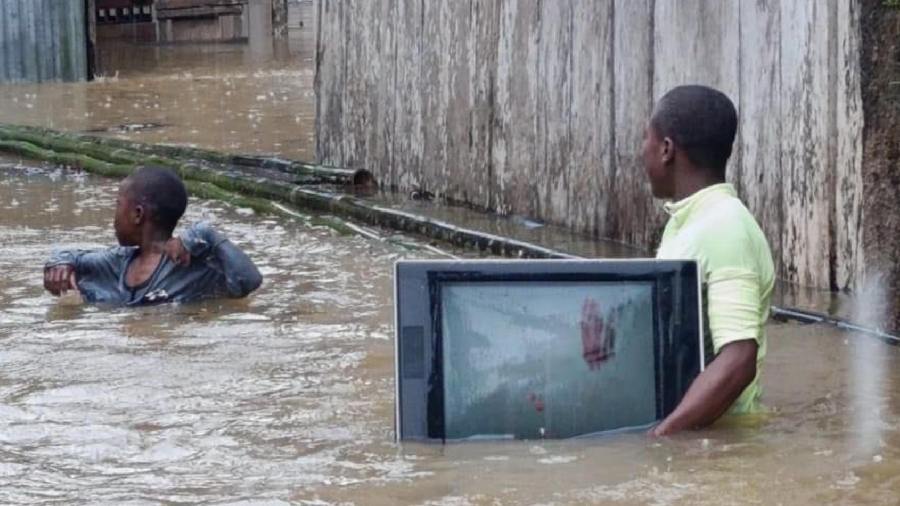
(536, 401)
(598, 337)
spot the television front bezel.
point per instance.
(568, 270)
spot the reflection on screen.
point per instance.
(546, 359)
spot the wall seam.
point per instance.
(780, 187)
(539, 159)
(612, 217)
(739, 179)
(392, 174)
(649, 231)
(317, 79)
(833, 49)
(492, 102)
(570, 70)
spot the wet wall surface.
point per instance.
(539, 109)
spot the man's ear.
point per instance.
(140, 214)
(668, 150)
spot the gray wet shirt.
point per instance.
(217, 269)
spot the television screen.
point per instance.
(542, 348)
(517, 358)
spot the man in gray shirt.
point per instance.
(151, 265)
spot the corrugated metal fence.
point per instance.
(42, 40)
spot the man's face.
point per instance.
(128, 218)
(657, 155)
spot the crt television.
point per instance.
(529, 349)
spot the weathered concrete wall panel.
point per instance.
(409, 132)
(538, 108)
(457, 114)
(329, 82)
(807, 163)
(42, 40)
(379, 73)
(633, 76)
(354, 122)
(474, 173)
(434, 69)
(514, 148)
(761, 125)
(588, 158)
(848, 189)
(554, 163)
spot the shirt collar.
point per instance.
(683, 208)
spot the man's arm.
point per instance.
(240, 273)
(714, 390)
(65, 267)
(733, 307)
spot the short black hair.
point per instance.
(162, 192)
(700, 120)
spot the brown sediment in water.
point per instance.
(288, 396)
(254, 97)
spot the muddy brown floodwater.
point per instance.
(287, 397)
(256, 97)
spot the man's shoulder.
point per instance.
(728, 218)
(77, 256)
(114, 254)
(725, 233)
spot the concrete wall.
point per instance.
(538, 107)
(42, 40)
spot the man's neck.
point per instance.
(694, 182)
(153, 242)
(148, 257)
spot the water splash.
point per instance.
(869, 367)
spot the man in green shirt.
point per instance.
(686, 147)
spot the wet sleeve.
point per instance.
(64, 257)
(239, 272)
(99, 269)
(734, 306)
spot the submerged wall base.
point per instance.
(211, 174)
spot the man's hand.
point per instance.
(175, 250)
(59, 279)
(597, 337)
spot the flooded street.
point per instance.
(288, 397)
(256, 97)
